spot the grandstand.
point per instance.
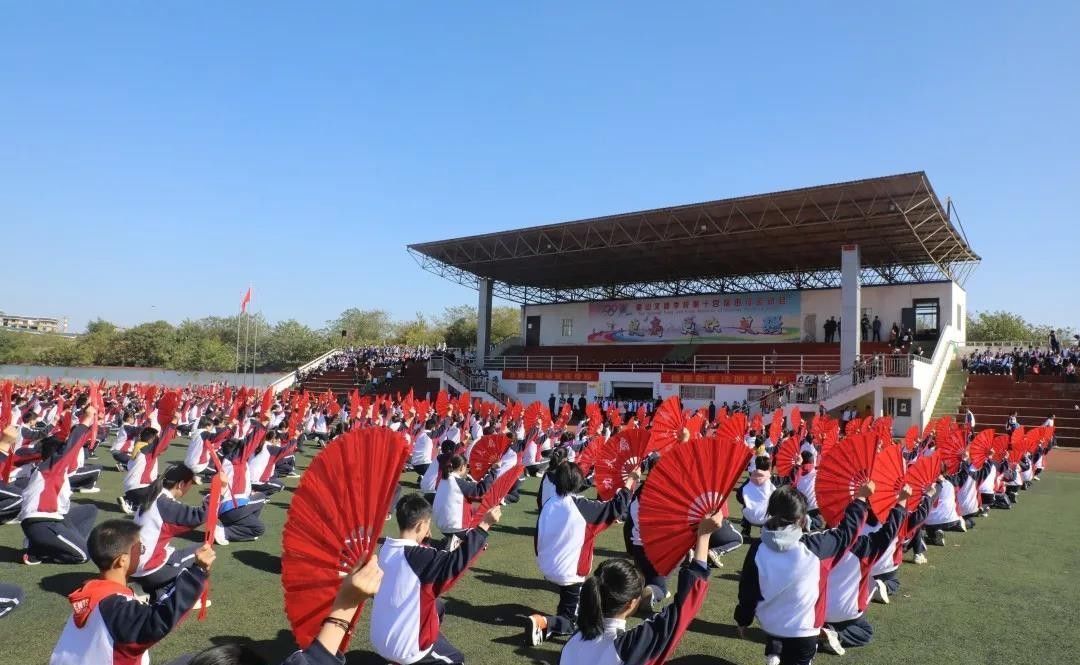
(726, 300)
(993, 398)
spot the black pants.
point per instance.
(442, 652)
(877, 335)
(159, 580)
(854, 633)
(61, 541)
(652, 578)
(933, 529)
(917, 544)
(891, 580)
(268, 488)
(792, 650)
(10, 597)
(565, 620)
(85, 477)
(421, 469)
(134, 498)
(285, 465)
(243, 523)
(11, 499)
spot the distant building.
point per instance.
(38, 324)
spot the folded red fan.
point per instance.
(668, 424)
(166, 408)
(776, 426)
(495, 494)
(442, 404)
(691, 481)
(796, 421)
(357, 474)
(982, 448)
(617, 457)
(841, 472)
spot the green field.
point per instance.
(1004, 594)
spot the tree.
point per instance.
(290, 344)
(362, 326)
(505, 322)
(460, 323)
(1002, 326)
(418, 332)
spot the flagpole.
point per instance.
(247, 340)
(255, 353)
(238, 319)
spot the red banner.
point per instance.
(724, 378)
(549, 375)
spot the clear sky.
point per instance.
(155, 157)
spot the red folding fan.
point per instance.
(356, 475)
(982, 448)
(267, 402)
(1017, 445)
(888, 477)
(166, 408)
(796, 420)
(442, 404)
(911, 438)
(691, 481)
(845, 468)
(776, 427)
(212, 508)
(486, 453)
(733, 429)
(788, 457)
(695, 424)
(586, 459)
(832, 437)
(667, 424)
(951, 450)
(757, 424)
(920, 476)
(1000, 447)
(617, 457)
(495, 494)
(595, 418)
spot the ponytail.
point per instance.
(558, 456)
(173, 476)
(607, 593)
(448, 463)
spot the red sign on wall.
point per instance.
(549, 375)
(710, 378)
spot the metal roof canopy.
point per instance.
(784, 240)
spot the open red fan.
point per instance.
(166, 408)
(486, 453)
(788, 457)
(442, 404)
(691, 481)
(1017, 444)
(495, 494)
(888, 477)
(920, 476)
(951, 450)
(695, 424)
(845, 468)
(776, 426)
(356, 474)
(796, 420)
(595, 417)
(733, 429)
(586, 459)
(617, 457)
(832, 437)
(982, 448)
(757, 424)
(667, 424)
(911, 438)
(1000, 447)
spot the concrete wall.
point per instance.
(131, 375)
(886, 302)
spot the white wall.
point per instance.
(883, 301)
(131, 375)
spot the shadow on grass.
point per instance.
(64, 583)
(282, 646)
(526, 531)
(106, 506)
(501, 579)
(268, 563)
(699, 659)
(10, 554)
(725, 630)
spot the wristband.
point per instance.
(340, 623)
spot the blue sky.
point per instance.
(156, 157)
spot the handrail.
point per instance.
(723, 364)
(489, 385)
(289, 379)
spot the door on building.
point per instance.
(532, 331)
(907, 319)
(927, 318)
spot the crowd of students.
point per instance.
(807, 583)
(1020, 362)
(370, 364)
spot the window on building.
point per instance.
(572, 388)
(927, 316)
(567, 327)
(526, 388)
(697, 392)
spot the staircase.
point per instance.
(342, 381)
(993, 398)
(952, 391)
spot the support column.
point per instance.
(483, 321)
(850, 306)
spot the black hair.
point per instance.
(170, 478)
(81, 401)
(411, 509)
(204, 422)
(148, 434)
(606, 593)
(450, 463)
(110, 539)
(762, 463)
(558, 456)
(50, 445)
(228, 654)
(568, 479)
(807, 456)
(787, 506)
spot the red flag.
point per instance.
(245, 301)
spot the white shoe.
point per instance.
(199, 604)
(715, 559)
(772, 660)
(90, 490)
(124, 506)
(537, 626)
(920, 559)
(832, 641)
(963, 525)
(882, 591)
(293, 474)
(219, 535)
(198, 480)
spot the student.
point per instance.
(126, 435)
(262, 467)
(429, 482)
(654, 590)
(848, 592)
(454, 495)
(611, 595)
(142, 470)
(423, 451)
(781, 580)
(885, 569)
(754, 495)
(806, 482)
(161, 516)
(944, 514)
(56, 530)
(406, 614)
(11, 597)
(565, 536)
(197, 457)
(547, 484)
(240, 515)
(108, 624)
(357, 588)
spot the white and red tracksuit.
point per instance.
(160, 562)
(405, 615)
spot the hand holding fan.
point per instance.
(495, 494)
(921, 476)
(212, 508)
(911, 438)
(667, 425)
(788, 457)
(842, 471)
(733, 429)
(888, 477)
(486, 453)
(357, 474)
(690, 482)
(617, 457)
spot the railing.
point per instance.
(827, 386)
(731, 364)
(471, 382)
(289, 379)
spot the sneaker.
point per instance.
(30, 560)
(121, 468)
(90, 490)
(198, 481)
(772, 660)
(124, 506)
(293, 474)
(831, 641)
(882, 591)
(1037, 478)
(920, 559)
(938, 539)
(656, 598)
(963, 525)
(715, 560)
(537, 627)
(199, 604)
(219, 535)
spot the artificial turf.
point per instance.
(1004, 593)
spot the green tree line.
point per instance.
(1001, 326)
(209, 344)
